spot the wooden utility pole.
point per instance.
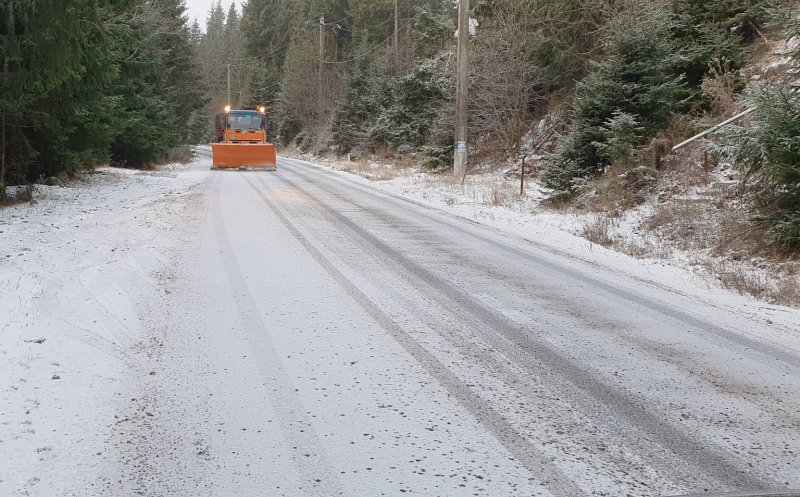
(3, 159)
(229, 85)
(396, 35)
(3, 139)
(321, 63)
(460, 156)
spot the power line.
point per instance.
(408, 7)
(374, 48)
(343, 19)
(253, 60)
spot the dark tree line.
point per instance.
(374, 94)
(85, 82)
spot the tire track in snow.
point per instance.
(769, 401)
(522, 348)
(768, 351)
(292, 417)
(509, 385)
(514, 441)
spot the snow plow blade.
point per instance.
(256, 156)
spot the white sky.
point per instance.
(199, 9)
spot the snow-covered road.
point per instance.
(296, 333)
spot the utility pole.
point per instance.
(229, 84)
(396, 35)
(3, 158)
(3, 139)
(460, 156)
(321, 63)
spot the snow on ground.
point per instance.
(62, 359)
(492, 199)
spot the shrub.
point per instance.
(621, 136)
(767, 149)
(181, 154)
(637, 81)
(438, 158)
(367, 93)
(656, 63)
(305, 140)
(288, 129)
(380, 109)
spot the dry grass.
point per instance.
(787, 291)
(641, 248)
(679, 128)
(182, 154)
(716, 228)
(621, 189)
(685, 223)
(497, 197)
(370, 170)
(560, 203)
(741, 279)
(18, 194)
(686, 170)
(633, 248)
(715, 220)
(477, 190)
(598, 230)
(721, 87)
(499, 194)
(777, 286)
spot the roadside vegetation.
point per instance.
(593, 93)
(88, 82)
(612, 85)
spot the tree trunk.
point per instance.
(3, 158)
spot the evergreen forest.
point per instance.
(596, 83)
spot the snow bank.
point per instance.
(72, 264)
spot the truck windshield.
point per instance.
(245, 120)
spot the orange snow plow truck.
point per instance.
(242, 142)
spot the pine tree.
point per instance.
(84, 80)
(233, 45)
(637, 78)
(767, 150)
(158, 82)
(40, 60)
